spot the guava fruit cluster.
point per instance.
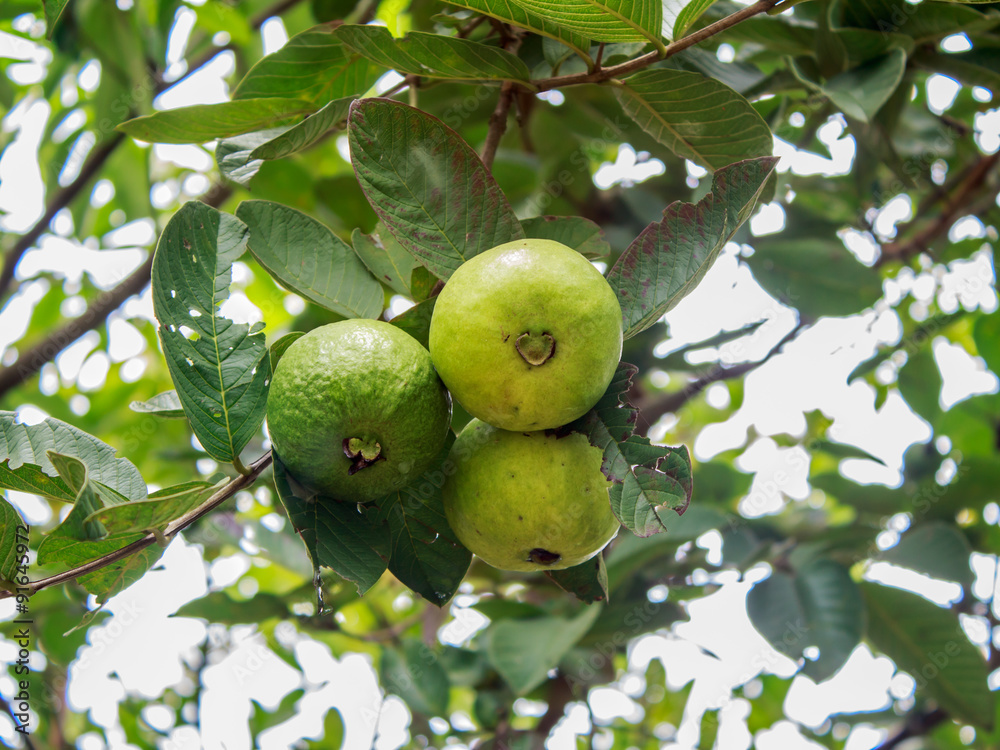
(527, 337)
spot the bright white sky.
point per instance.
(809, 374)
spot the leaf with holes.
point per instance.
(427, 185)
(697, 118)
(219, 367)
(25, 466)
(305, 257)
(669, 257)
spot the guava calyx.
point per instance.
(543, 556)
(536, 350)
(363, 453)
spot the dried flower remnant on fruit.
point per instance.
(536, 350)
(362, 453)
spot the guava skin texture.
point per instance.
(356, 411)
(527, 335)
(528, 500)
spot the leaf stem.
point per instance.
(240, 466)
(236, 484)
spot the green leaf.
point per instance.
(434, 55)
(155, 512)
(986, 334)
(304, 256)
(220, 368)
(690, 13)
(937, 548)
(930, 21)
(817, 605)
(417, 320)
(218, 606)
(861, 92)
(414, 673)
(53, 12)
(279, 347)
(649, 479)
(341, 536)
(581, 234)
(587, 581)
(306, 133)
(975, 67)
(928, 642)
(333, 732)
(508, 11)
(206, 122)
(817, 276)
(234, 155)
(427, 185)
(25, 466)
(88, 499)
(166, 404)
(114, 578)
(523, 651)
(426, 555)
(919, 382)
(388, 261)
(10, 524)
(604, 20)
(313, 65)
(669, 257)
(697, 118)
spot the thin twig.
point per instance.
(498, 124)
(631, 66)
(62, 198)
(9, 710)
(670, 403)
(963, 196)
(240, 482)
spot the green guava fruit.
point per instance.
(528, 500)
(527, 335)
(355, 410)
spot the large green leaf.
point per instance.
(576, 232)
(697, 118)
(53, 12)
(414, 673)
(603, 20)
(937, 548)
(25, 466)
(587, 581)
(427, 185)
(523, 651)
(649, 480)
(206, 122)
(669, 257)
(313, 65)
(11, 526)
(426, 554)
(219, 367)
(929, 643)
(817, 605)
(511, 12)
(861, 92)
(155, 512)
(341, 536)
(919, 382)
(309, 259)
(388, 261)
(816, 276)
(434, 55)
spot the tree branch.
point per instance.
(62, 198)
(669, 403)
(630, 66)
(240, 482)
(966, 191)
(498, 124)
(916, 725)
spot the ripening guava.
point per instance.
(528, 500)
(527, 335)
(355, 410)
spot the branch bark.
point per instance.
(965, 193)
(240, 482)
(917, 725)
(669, 403)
